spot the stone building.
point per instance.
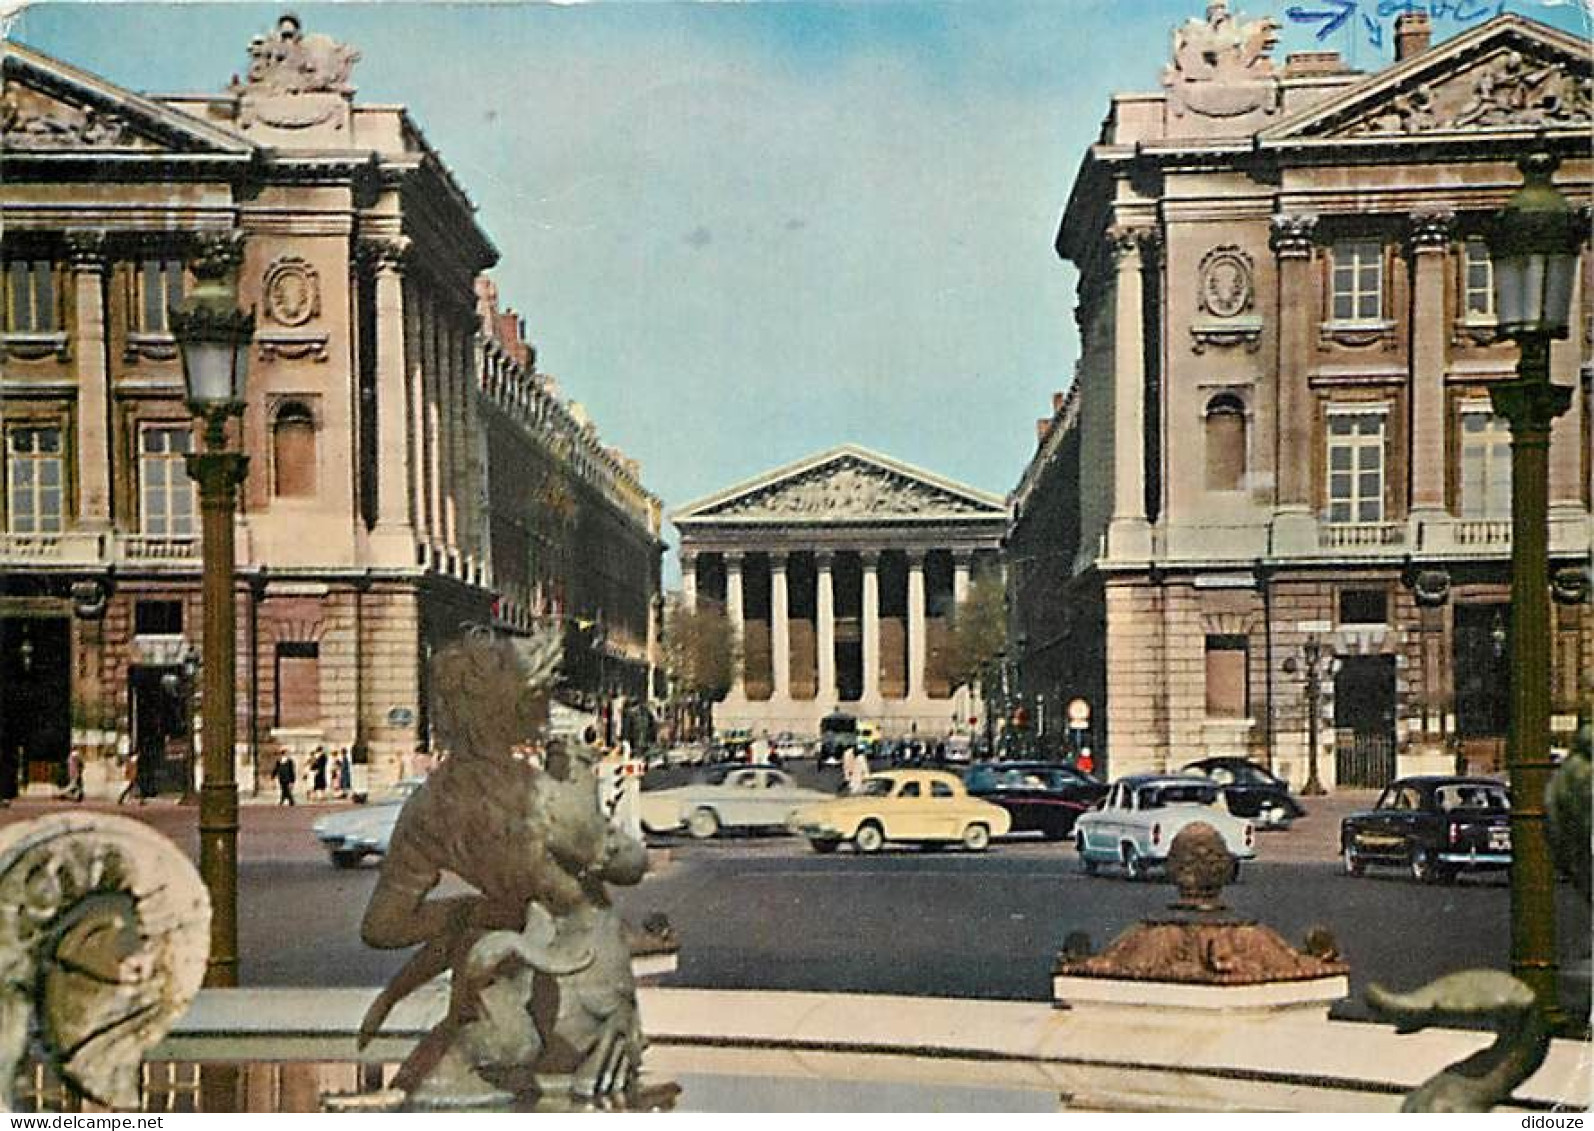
(1281, 427)
(365, 535)
(840, 572)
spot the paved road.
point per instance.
(768, 913)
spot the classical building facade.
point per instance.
(1281, 430)
(840, 573)
(378, 420)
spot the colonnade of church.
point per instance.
(837, 626)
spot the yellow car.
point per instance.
(921, 806)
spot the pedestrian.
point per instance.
(130, 771)
(285, 773)
(849, 763)
(345, 772)
(318, 774)
(74, 775)
(1085, 762)
(860, 769)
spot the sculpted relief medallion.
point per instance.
(1226, 287)
(292, 292)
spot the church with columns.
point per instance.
(840, 574)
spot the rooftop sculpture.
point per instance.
(542, 1005)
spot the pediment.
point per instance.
(51, 107)
(1510, 74)
(848, 485)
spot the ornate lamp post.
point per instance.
(213, 337)
(1533, 246)
(1316, 662)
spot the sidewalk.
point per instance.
(1316, 835)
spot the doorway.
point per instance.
(35, 702)
(160, 696)
(1364, 719)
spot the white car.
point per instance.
(1136, 822)
(736, 797)
(351, 835)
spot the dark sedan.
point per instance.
(1043, 797)
(1250, 791)
(1435, 826)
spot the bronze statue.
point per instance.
(104, 931)
(542, 1001)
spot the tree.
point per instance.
(979, 630)
(701, 654)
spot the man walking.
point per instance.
(134, 785)
(285, 774)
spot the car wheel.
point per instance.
(1353, 861)
(976, 838)
(1234, 870)
(343, 858)
(823, 845)
(869, 838)
(1086, 864)
(1423, 868)
(703, 824)
(1135, 864)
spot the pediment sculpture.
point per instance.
(295, 80)
(1509, 90)
(847, 488)
(32, 120)
(1223, 68)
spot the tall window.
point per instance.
(166, 494)
(293, 451)
(298, 684)
(1226, 679)
(1358, 281)
(30, 295)
(1485, 465)
(35, 480)
(1356, 467)
(160, 287)
(1478, 279)
(1225, 436)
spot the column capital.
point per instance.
(386, 255)
(1292, 235)
(963, 558)
(777, 561)
(688, 558)
(916, 559)
(1430, 229)
(732, 560)
(216, 255)
(824, 560)
(1129, 244)
(86, 249)
(1529, 406)
(869, 559)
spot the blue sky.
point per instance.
(744, 232)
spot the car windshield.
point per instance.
(1472, 796)
(877, 787)
(1192, 793)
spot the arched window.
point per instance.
(293, 451)
(1225, 435)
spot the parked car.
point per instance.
(351, 835)
(1136, 822)
(1043, 797)
(739, 797)
(1437, 826)
(1251, 791)
(921, 806)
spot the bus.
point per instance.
(838, 733)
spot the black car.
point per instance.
(1043, 797)
(1436, 826)
(1251, 791)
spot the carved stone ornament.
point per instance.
(292, 291)
(295, 80)
(1431, 229)
(1571, 585)
(31, 120)
(1509, 90)
(1227, 282)
(847, 488)
(1221, 68)
(1431, 587)
(292, 345)
(384, 254)
(103, 941)
(1199, 865)
(1131, 242)
(1292, 235)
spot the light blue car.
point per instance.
(1136, 822)
(353, 834)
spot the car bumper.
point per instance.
(1477, 859)
(814, 830)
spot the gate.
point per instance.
(1364, 760)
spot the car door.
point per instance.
(908, 816)
(1100, 832)
(738, 797)
(947, 811)
(1382, 834)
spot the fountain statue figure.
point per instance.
(542, 1005)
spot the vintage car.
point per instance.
(921, 806)
(351, 835)
(1043, 797)
(1438, 826)
(1251, 791)
(734, 797)
(1136, 822)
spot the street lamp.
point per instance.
(213, 338)
(1316, 662)
(1533, 245)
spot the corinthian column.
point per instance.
(779, 629)
(393, 534)
(825, 601)
(733, 610)
(870, 560)
(87, 250)
(1293, 526)
(689, 580)
(916, 622)
(1127, 533)
(1430, 247)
